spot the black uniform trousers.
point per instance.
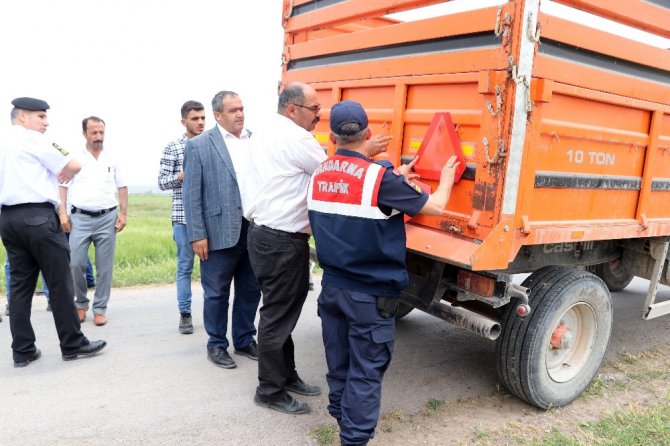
(280, 261)
(34, 240)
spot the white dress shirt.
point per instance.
(29, 164)
(94, 187)
(238, 149)
(283, 156)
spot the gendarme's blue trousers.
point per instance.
(359, 344)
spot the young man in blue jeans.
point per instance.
(171, 176)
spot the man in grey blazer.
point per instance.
(214, 165)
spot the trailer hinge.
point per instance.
(523, 81)
(502, 25)
(500, 151)
(533, 35)
(497, 113)
(499, 102)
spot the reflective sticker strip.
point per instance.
(371, 185)
(562, 180)
(321, 137)
(350, 210)
(520, 117)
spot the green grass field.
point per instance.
(145, 251)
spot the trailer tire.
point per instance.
(615, 274)
(549, 357)
(403, 310)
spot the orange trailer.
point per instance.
(565, 129)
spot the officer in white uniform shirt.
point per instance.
(30, 169)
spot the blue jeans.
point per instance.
(184, 266)
(90, 279)
(7, 276)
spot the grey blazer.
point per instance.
(212, 203)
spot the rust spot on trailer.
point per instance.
(484, 196)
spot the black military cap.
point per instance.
(30, 104)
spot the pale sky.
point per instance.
(134, 63)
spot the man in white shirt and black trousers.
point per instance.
(283, 156)
(30, 169)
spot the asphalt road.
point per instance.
(152, 385)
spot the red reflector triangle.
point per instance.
(439, 144)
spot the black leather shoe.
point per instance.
(302, 388)
(287, 404)
(220, 357)
(185, 324)
(250, 351)
(34, 357)
(89, 349)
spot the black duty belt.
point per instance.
(46, 205)
(279, 233)
(92, 213)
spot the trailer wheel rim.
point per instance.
(578, 326)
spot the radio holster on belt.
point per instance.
(387, 305)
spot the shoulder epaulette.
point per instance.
(62, 150)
